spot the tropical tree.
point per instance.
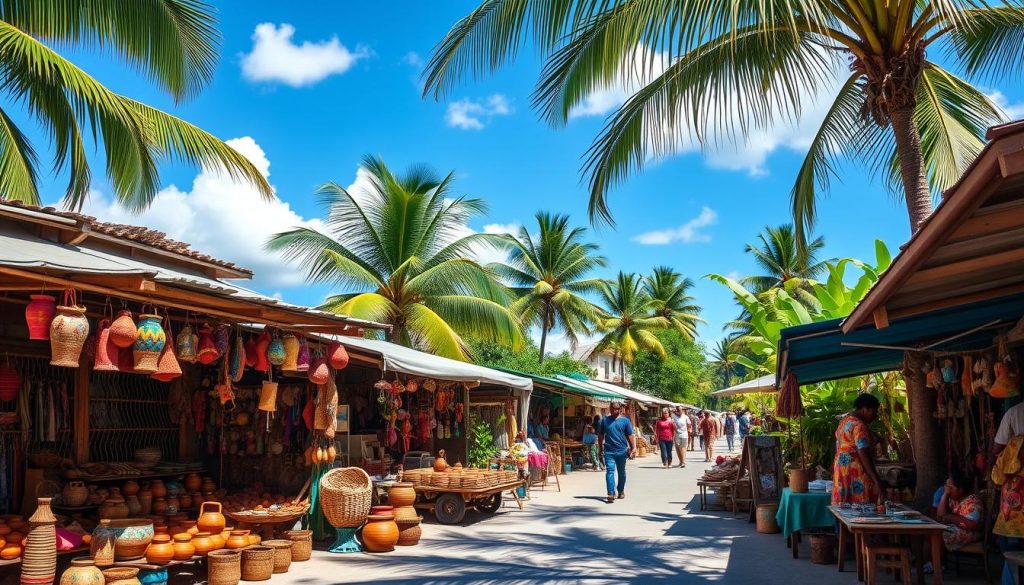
(780, 258)
(683, 374)
(549, 273)
(729, 69)
(723, 362)
(630, 324)
(670, 299)
(173, 42)
(399, 248)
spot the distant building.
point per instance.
(610, 367)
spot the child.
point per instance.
(590, 443)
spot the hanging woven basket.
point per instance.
(337, 356)
(68, 332)
(268, 397)
(123, 330)
(150, 340)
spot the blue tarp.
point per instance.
(816, 352)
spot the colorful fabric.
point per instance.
(1006, 473)
(851, 483)
(970, 508)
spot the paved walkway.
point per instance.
(657, 534)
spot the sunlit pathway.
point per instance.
(656, 534)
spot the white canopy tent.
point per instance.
(763, 385)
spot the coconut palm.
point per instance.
(715, 71)
(781, 259)
(669, 295)
(173, 42)
(549, 272)
(723, 361)
(630, 324)
(399, 248)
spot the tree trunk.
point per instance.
(544, 332)
(915, 185)
(924, 435)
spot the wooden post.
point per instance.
(81, 417)
(924, 431)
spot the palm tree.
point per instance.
(549, 274)
(630, 324)
(780, 257)
(399, 247)
(173, 42)
(731, 68)
(723, 362)
(670, 299)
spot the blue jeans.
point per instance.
(666, 451)
(611, 463)
(730, 439)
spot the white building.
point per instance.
(610, 368)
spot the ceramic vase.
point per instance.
(150, 340)
(160, 551)
(183, 548)
(211, 518)
(380, 534)
(82, 572)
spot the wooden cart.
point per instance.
(450, 504)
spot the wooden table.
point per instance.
(715, 485)
(928, 529)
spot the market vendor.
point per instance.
(855, 480)
(961, 510)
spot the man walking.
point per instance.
(707, 436)
(701, 419)
(730, 430)
(693, 429)
(682, 437)
(744, 424)
(615, 442)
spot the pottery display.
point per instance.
(130, 488)
(75, 494)
(383, 511)
(193, 482)
(132, 536)
(133, 505)
(121, 576)
(401, 494)
(209, 486)
(211, 518)
(113, 508)
(159, 506)
(82, 572)
(160, 551)
(202, 543)
(440, 464)
(183, 547)
(238, 539)
(380, 534)
(158, 488)
(101, 549)
(218, 540)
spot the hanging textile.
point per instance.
(317, 522)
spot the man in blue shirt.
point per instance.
(615, 442)
(744, 424)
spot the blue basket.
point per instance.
(521, 491)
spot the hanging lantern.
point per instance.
(207, 348)
(337, 357)
(238, 359)
(10, 382)
(268, 397)
(319, 371)
(106, 351)
(38, 314)
(302, 363)
(68, 332)
(150, 340)
(275, 352)
(188, 345)
(291, 353)
(250, 352)
(168, 368)
(123, 330)
(262, 347)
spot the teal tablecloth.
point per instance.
(800, 511)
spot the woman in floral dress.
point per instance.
(854, 479)
(960, 510)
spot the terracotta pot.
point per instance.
(101, 549)
(68, 332)
(134, 506)
(133, 536)
(161, 551)
(254, 539)
(209, 486)
(75, 494)
(184, 501)
(440, 464)
(121, 576)
(159, 506)
(130, 488)
(159, 529)
(193, 482)
(211, 518)
(238, 539)
(380, 534)
(113, 508)
(202, 543)
(123, 330)
(183, 548)
(159, 489)
(401, 494)
(383, 511)
(38, 314)
(146, 504)
(188, 527)
(82, 572)
(217, 540)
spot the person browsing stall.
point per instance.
(855, 480)
(665, 432)
(615, 443)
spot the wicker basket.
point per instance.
(345, 495)
(409, 531)
(225, 567)
(302, 544)
(282, 554)
(257, 563)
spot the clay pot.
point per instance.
(82, 572)
(123, 330)
(209, 486)
(101, 549)
(161, 551)
(134, 506)
(149, 343)
(238, 539)
(184, 501)
(146, 504)
(383, 511)
(217, 540)
(380, 534)
(211, 518)
(121, 576)
(68, 332)
(159, 528)
(130, 488)
(193, 482)
(401, 494)
(254, 539)
(113, 508)
(159, 506)
(75, 494)
(133, 536)
(440, 464)
(188, 527)
(183, 548)
(159, 489)
(38, 314)
(203, 544)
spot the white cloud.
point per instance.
(1013, 111)
(218, 216)
(503, 228)
(276, 57)
(688, 233)
(470, 114)
(721, 148)
(413, 59)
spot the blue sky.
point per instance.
(310, 91)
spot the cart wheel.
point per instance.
(490, 504)
(450, 508)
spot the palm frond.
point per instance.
(988, 42)
(17, 163)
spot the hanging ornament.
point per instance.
(268, 397)
(337, 356)
(290, 343)
(207, 348)
(188, 345)
(168, 368)
(68, 332)
(262, 347)
(106, 350)
(302, 362)
(123, 330)
(38, 314)
(319, 371)
(275, 352)
(150, 340)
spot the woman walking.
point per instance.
(665, 432)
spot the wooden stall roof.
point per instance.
(43, 248)
(970, 249)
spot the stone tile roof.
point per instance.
(141, 235)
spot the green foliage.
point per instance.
(526, 360)
(683, 375)
(669, 292)
(481, 444)
(631, 319)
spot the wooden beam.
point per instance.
(959, 269)
(881, 317)
(920, 308)
(119, 281)
(991, 220)
(969, 284)
(1011, 163)
(981, 245)
(73, 238)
